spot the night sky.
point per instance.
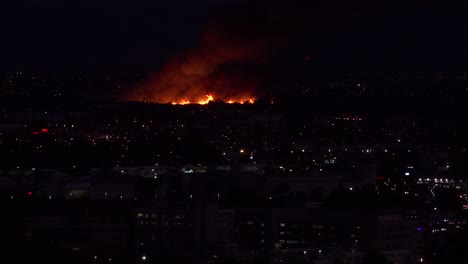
(142, 35)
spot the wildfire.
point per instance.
(210, 98)
(207, 99)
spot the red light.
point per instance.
(44, 130)
(36, 133)
(29, 193)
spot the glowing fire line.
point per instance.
(210, 98)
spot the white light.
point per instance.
(143, 257)
(406, 173)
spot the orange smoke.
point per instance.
(214, 71)
(229, 64)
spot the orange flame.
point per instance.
(210, 98)
(206, 100)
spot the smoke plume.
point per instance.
(227, 63)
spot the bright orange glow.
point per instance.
(210, 98)
(181, 102)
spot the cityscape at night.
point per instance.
(233, 131)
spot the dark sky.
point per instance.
(142, 35)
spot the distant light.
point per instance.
(420, 229)
(44, 130)
(350, 188)
(241, 151)
(29, 193)
(407, 173)
(95, 257)
(143, 257)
